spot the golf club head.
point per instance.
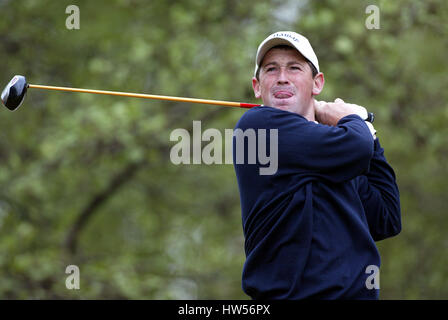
(14, 92)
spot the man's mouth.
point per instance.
(282, 94)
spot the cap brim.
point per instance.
(269, 45)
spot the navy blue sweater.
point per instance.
(310, 228)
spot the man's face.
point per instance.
(286, 82)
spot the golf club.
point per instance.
(14, 94)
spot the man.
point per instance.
(310, 228)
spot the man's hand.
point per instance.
(331, 112)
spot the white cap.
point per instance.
(291, 39)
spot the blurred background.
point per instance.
(87, 180)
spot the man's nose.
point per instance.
(282, 78)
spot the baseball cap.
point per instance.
(290, 38)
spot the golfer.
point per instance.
(310, 228)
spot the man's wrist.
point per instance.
(371, 129)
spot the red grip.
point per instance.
(249, 105)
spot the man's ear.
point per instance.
(256, 87)
(318, 83)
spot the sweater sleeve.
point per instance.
(335, 153)
(380, 196)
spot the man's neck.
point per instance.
(308, 113)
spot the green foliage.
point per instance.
(87, 179)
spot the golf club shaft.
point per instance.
(147, 96)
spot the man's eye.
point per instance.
(295, 68)
(271, 69)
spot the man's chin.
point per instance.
(282, 106)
